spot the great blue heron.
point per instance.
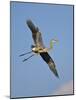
(39, 47)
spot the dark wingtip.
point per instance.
(54, 71)
(31, 26)
(28, 21)
(56, 74)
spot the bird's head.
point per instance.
(52, 42)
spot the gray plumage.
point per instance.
(35, 34)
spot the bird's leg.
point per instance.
(28, 57)
(25, 53)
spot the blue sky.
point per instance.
(33, 77)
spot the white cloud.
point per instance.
(65, 89)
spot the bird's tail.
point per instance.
(32, 26)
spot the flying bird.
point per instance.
(39, 48)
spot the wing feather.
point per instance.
(35, 34)
(50, 62)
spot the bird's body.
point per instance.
(39, 47)
(39, 50)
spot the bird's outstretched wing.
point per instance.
(50, 62)
(35, 34)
